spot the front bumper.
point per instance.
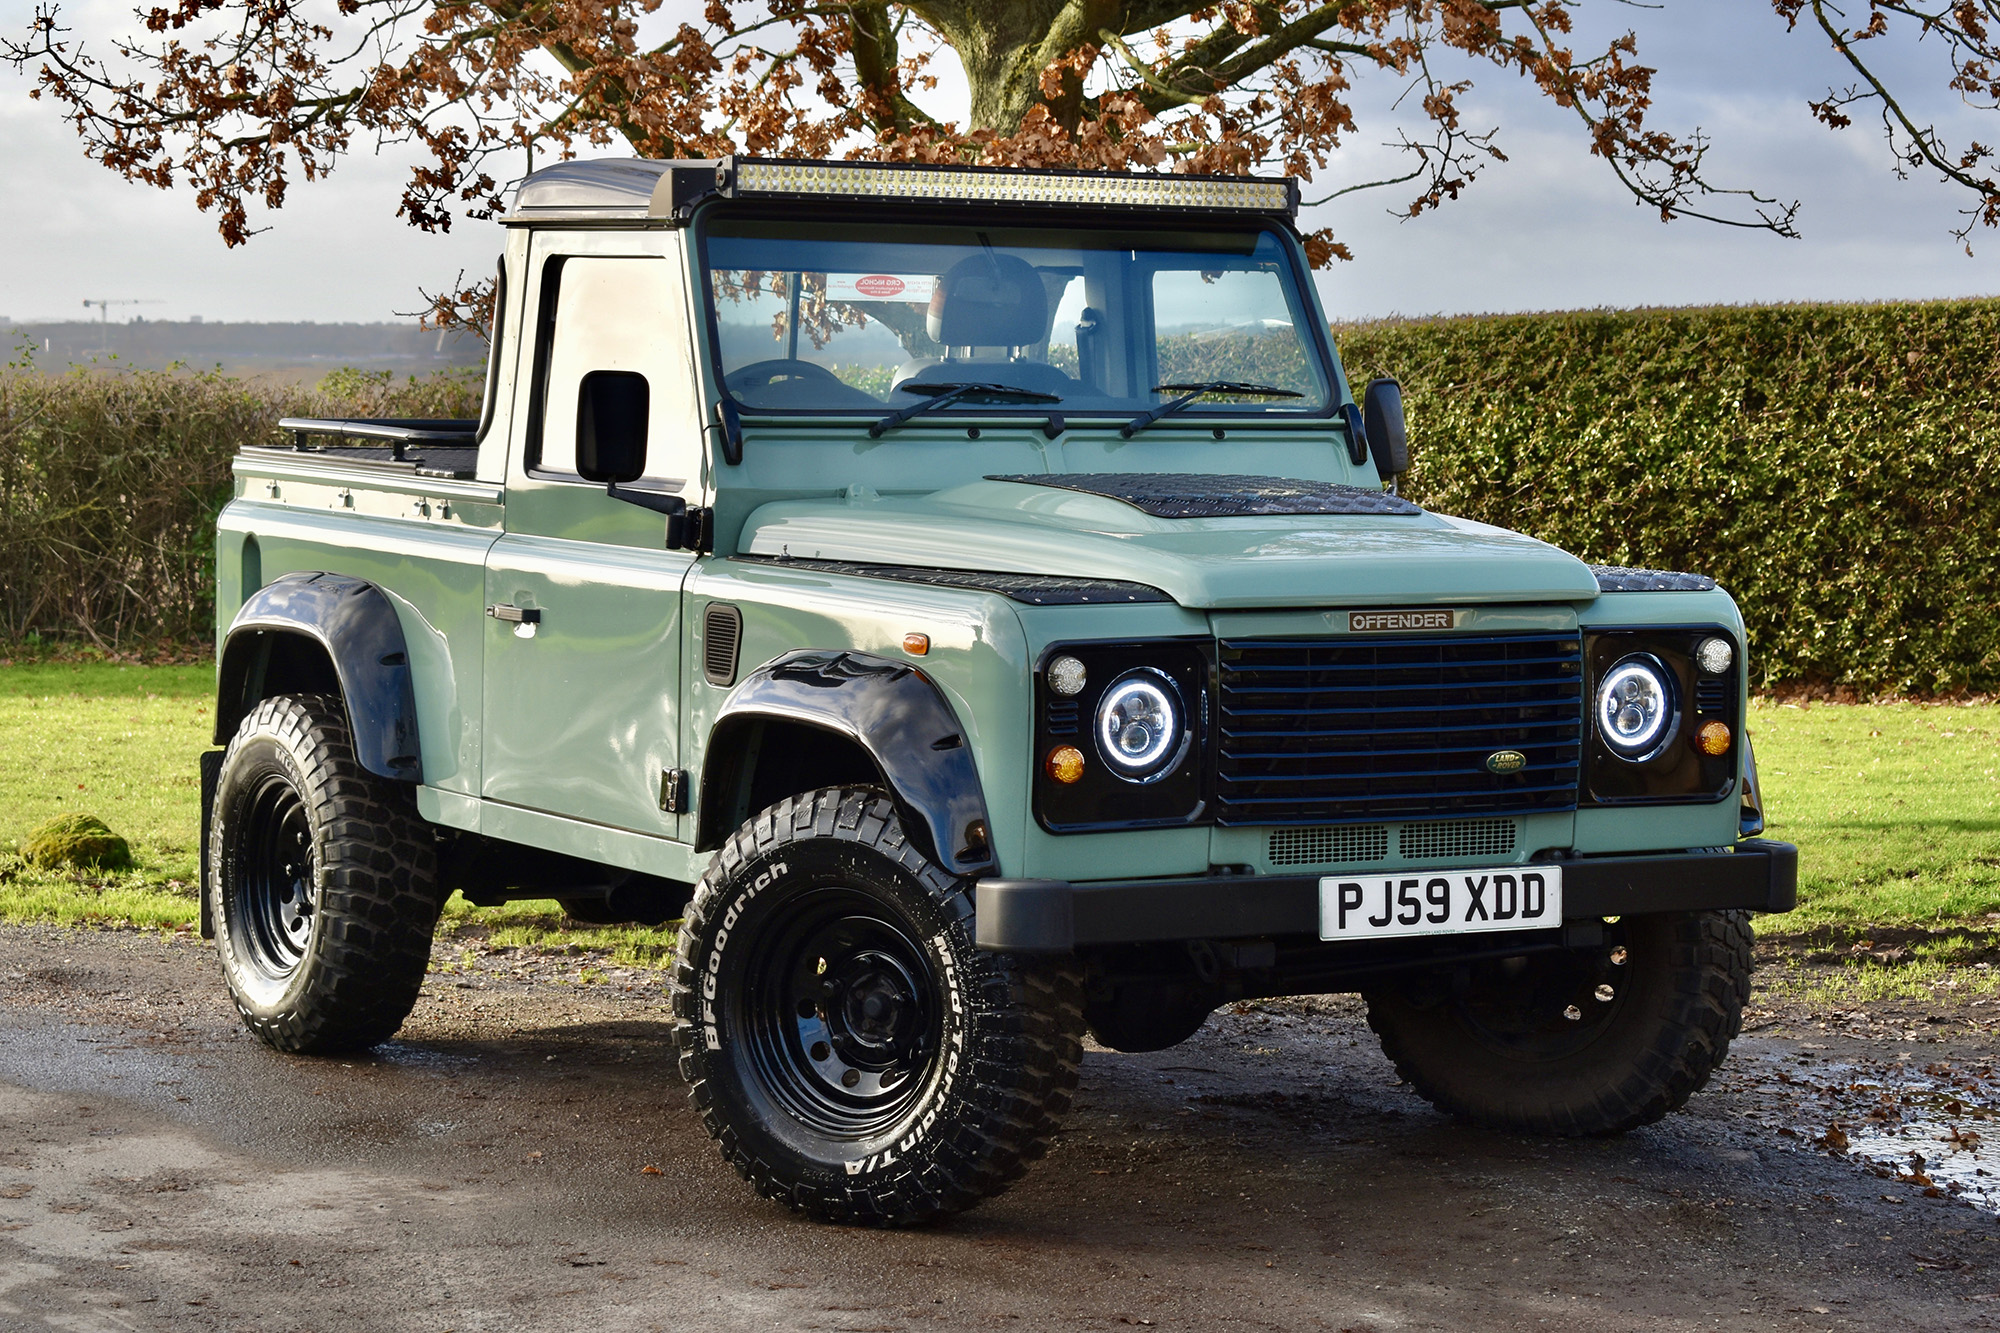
(1051, 916)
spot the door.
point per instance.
(583, 632)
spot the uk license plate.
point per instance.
(1441, 902)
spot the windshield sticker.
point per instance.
(911, 287)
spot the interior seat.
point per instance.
(989, 307)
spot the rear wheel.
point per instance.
(591, 912)
(1148, 1016)
(852, 1052)
(1578, 1043)
(321, 882)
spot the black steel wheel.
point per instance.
(276, 893)
(321, 882)
(1581, 1042)
(852, 1052)
(840, 1014)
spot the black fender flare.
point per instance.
(355, 623)
(892, 711)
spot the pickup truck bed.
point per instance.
(442, 448)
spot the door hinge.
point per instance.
(674, 790)
(692, 531)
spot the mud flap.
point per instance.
(211, 773)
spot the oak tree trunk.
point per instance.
(1005, 47)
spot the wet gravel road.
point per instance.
(489, 1171)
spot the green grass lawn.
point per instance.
(1896, 812)
(119, 742)
(1895, 807)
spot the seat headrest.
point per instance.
(989, 300)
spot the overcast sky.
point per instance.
(1549, 229)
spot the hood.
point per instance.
(1210, 563)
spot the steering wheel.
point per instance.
(758, 374)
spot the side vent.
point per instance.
(721, 638)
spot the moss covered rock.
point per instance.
(82, 841)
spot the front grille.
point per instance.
(1456, 837)
(1321, 846)
(1323, 731)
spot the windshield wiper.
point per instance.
(1189, 392)
(942, 394)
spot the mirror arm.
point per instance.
(653, 500)
(673, 506)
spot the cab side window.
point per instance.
(619, 314)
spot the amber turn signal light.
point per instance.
(1713, 739)
(916, 645)
(1064, 764)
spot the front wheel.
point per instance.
(853, 1053)
(1577, 1043)
(321, 880)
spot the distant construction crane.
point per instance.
(104, 314)
(104, 307)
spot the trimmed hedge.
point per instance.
(1832, 466)
(110, 482)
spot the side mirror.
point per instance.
(612, 408)
(1388, 437)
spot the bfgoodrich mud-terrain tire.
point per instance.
(321, 881)
(852, 1052)
(1579, 1044)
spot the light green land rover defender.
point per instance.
(977, 606)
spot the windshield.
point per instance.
(816, 317)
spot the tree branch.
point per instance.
(1921, 146)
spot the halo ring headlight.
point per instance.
(1141, 725)
(1635, 708)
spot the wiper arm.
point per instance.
(941, 394)
(1189, 392)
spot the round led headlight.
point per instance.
(1139, 727)
(1635, 708)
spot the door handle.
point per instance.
(515, 615)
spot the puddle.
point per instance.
(403, 1055)
(1954, 1160)
(1936, 1129)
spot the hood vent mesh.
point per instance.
(1221, 495)
(1617, 578)
(1034, 589)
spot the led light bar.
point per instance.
(758, 178)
